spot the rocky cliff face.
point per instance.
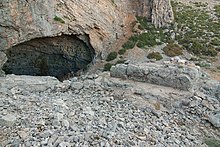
(97, 23)
(159, 12)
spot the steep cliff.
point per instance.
(98, 23)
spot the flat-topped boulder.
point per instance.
(183, 77)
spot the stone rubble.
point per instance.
(100, 110)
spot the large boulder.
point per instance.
(172, 76)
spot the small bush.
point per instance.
(215, 42)
(120, 62)
(155, 55)
(172, 50)
(122, 51)
(141, 44)
(107, 66)
(111, 56)
(56, 18)
(131, 42)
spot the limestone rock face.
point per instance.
(162, 12)
(97, 23)
(180, 78)
(24, 20)
(159, 12)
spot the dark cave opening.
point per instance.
(51, 56)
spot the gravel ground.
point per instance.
(98, 110)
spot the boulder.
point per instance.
(171, 76)
(215, 119)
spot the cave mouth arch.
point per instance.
(50, 56)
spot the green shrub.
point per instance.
(172, 50)
(215, 42)
(120, 62)
(154, 55)
(210, 51)
(111, 56)
(131, 42)
(211, 142)
(217, 9)
(107, 66)
(141, 44)
(122, 51)
(56, 18)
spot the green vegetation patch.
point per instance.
(107, 66)
(173, 50)
(155, 55)
(217, 10)
(211, 142)
(200, 4)
(195, 29)
(148, 38)
(111, 56)
(120, 62)
(122, 51)
(58, 19)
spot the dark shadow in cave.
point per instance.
(50, 56)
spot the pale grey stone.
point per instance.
(215, 119)
(119, 70)
(22, 134)
(66, 123)
(8, 119)
(76, 85)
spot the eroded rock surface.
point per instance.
(182, 78)
(103, 20)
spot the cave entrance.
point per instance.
(52, 56)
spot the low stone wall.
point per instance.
(183, 78)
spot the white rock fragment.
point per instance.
(66, 123)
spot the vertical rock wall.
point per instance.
(162, 13)
(159, 12)
(103, 21)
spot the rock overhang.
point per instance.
(49, 56)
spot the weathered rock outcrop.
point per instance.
(25, 20)
(180, 78)
(162, 13)
(95, 22)
(159, 12)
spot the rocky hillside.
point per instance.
(101, 110)
(148, 89)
